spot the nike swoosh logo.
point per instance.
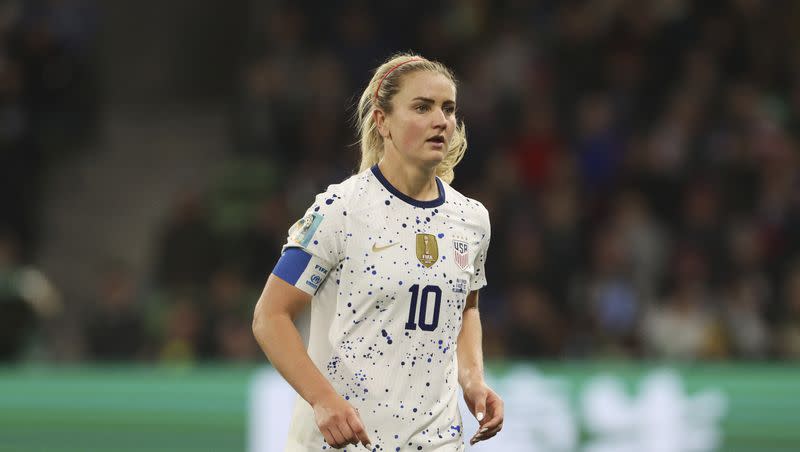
(376, 248)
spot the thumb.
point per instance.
(480, 408)
(357, 425)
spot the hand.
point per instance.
(487, 407)
(340, 423)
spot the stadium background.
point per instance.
(639, 160)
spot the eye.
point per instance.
(450, 110)
(422, 108)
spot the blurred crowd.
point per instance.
(639, 160)
(48, 108)
(47, 97)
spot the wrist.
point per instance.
(471, 379)
(320, 396)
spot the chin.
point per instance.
(428, 158)
(433, 159)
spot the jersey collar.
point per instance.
(416, 203)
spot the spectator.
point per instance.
(789, 332)
(27, 300)
(115, 329)
(684, 325)
(638, 160)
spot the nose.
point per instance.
(439, 119)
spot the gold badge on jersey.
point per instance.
(427, 249)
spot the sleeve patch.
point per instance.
(303, 231)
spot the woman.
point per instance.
(390, 261)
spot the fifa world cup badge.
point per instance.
(304, 229)
(427, 249)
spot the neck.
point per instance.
(412, 180)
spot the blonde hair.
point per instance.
(379, 92)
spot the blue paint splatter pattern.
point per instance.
(385, 319)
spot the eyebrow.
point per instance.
(431, 101)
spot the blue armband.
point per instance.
(302, 269)
(291, 265)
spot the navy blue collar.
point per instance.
(423, 204)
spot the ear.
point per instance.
(380, 122)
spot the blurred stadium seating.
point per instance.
(639, 159)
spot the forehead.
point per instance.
(432, 85)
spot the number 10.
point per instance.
(423, 308)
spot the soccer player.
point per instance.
(390, 261)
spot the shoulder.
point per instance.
(326, 219)
(471, 207)
(337, 197)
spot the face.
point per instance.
(422, 120)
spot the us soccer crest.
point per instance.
(461, 254)
(427, 249)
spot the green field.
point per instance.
(133, 408)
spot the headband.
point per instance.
(378, 89)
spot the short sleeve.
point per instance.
(315, 243)
(478, 279)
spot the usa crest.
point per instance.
(461, 254)
(427, 249)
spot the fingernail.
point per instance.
(479, 417)
(483, 430)
(368, 446)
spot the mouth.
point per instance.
(436, 139)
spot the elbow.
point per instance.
(255, 325)
(259, 320)
(264, 321)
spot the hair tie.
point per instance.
(378, 89)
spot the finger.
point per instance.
(361, 433)
(326, 433)
(486, 433)
(330, 438)
(347, 433)
(493, 431)
(482, 438)
(495, 419)
(480, 409)
(478, 436)
(484, 425)
(475, 439)
(496, 408)
(338, 437)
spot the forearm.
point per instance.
(281, 342)
(470, 350)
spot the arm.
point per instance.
(274, 329)
(484, 403)
(470, 350)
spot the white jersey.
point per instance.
(389, 277)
